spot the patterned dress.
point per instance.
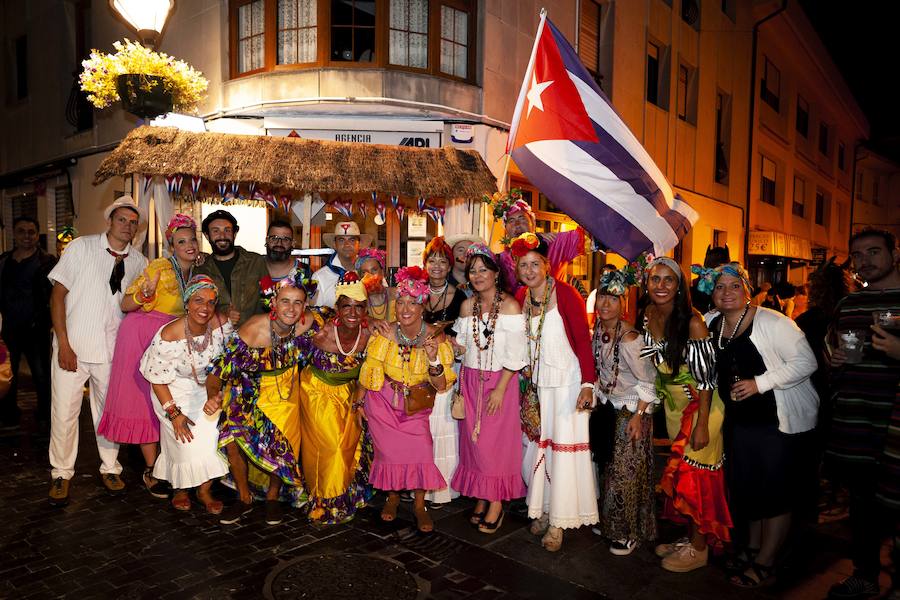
(335, 452)
(693, 482)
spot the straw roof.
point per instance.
(301, 165)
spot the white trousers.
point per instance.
(445, 436)
(67, 396)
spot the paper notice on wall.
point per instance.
(414, 250)
(417, 226)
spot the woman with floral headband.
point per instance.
(492, 331)
(764, 368)
(442, 308)
(677, 341)
(151, 301)
(175, 365)
(562, 487)
(260, 421)
(370, 266)
(403, 371)
(626, 396)
(334, 460)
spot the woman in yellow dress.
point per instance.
(334, 461)
(411, 361)
(153, 300)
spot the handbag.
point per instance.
(458, 403)
(5, 370)
(418, 398)
(529, 408)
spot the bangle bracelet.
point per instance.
(586, 386)
(173, 414)
(434, 363)
(168, 404)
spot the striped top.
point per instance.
(700, 357)
(863, 394)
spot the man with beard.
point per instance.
(279, 243)
(864, 435)
(235, 271)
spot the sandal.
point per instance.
(389, 511)
(539, 526)
(423, 520)
(477, 517)
(212, 506)
(738, 563)
(181, 500)
(156, 487)
(756, 575)
(491, 528)
(552, 540)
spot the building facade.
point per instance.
(447, 72)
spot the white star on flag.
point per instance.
(534, 94)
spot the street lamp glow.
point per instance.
(146, 17)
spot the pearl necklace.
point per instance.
(733, 331)
(439, 290)
(337, 340)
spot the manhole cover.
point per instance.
(339, 576)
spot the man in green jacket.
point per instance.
(235, 271)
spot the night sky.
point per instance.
(863, 37)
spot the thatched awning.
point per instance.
(301, 165)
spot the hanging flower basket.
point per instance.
(146, 96)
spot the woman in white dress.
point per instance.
(562, 486)
(175, 365)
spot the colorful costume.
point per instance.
(333, 454)
(692, 481)
(261, 411)
(129, 417)
(404, 455)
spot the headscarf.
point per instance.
(179, 221)
(197, 283)
(351, 286)
(526, 243)
(665, 260)
(480, 249)
(268, 288)
(617, 282)
(437, 245)
(734, 269)
(412, 282)
(370, 254)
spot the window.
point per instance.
(21, 50)
(409, 33)
(842, 164)
(658, 75)
(729, 7)
(251, 34)
(723, 136)
(820, 207)
(454, 42)
(802, 117)
(353, 30)
(297, 32)
(589, 38)
(681, 98)
(719, 238)
(823, 139)
(767, 185)
(770, 90)
(797, 203)
(690, 13)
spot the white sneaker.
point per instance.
(622, 547)
(596, 531)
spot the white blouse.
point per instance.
(636, 377)
(508, 350)
(167, 362)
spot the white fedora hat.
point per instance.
(346, 228)
(453, 240)
(126, 202)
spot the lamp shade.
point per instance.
(146, 17)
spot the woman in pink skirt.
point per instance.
(412, 357)
(152, 301)
(491, 329)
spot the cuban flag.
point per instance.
(570, 142)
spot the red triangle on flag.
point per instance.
(293, 133)
(552, 109)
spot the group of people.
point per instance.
(477, 375)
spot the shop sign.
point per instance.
(773, 243)
(462, 133)
(415, 139)
(819, 255)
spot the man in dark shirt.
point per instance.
(235, 271)
(25, 305)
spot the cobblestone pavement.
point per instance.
(135, 546)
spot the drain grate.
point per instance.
(341, 576)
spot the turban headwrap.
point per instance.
(197, 283)
(177, 222)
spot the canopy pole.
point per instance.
(306, 219)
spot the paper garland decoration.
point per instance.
(363, 210)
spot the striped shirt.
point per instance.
(863, 393)
(93, 312)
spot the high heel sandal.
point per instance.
(756, 575)
(476, 518)
(159, 489)
(423, 519)
(491, 528)
(389, 510)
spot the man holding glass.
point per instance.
(865, 380)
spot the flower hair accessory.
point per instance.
(479, 249)
(525, 243)
(616, 283)
(412, 282)
(437, 245)
(177, 222)
(706, 278)
(370, 254)
(268, 288)
(504, 204)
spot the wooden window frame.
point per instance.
(433, 21)
(382, 40)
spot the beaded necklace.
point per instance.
(204, 344)
(279, 347)
(431, 307)
(614, 350)
(534, 358)
(733, 331)
(406, 344)
(337, 340)
(491, 323)
(179, 274)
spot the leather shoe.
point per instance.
(113, 484)
(59, 492)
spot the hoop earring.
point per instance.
(336, 321)
(364, 323)
(272, 315)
